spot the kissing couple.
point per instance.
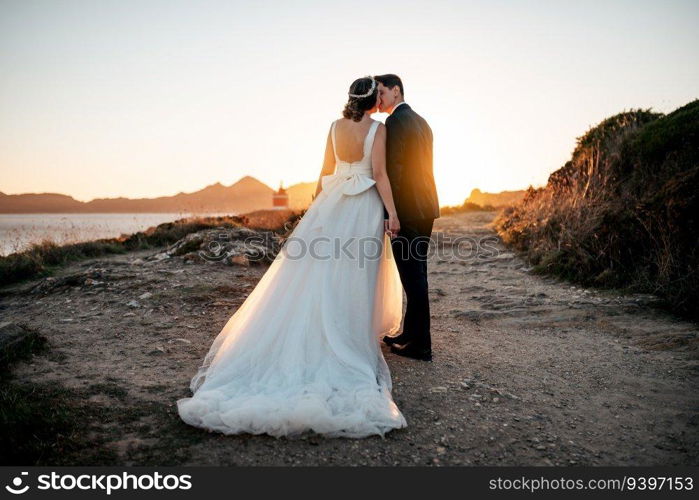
(303, 352)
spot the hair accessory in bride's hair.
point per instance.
(371, 90)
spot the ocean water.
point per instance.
(19, 231)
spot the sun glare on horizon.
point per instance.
(148, 99)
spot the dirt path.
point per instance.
(526, 371)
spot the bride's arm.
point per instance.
(383, 185)
(328, 162)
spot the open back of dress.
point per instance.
(302, 352)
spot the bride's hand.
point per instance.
(393, 225)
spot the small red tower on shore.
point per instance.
(280, 199)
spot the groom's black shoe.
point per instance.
(410, 350)
(398, 339)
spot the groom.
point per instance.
(409, 168)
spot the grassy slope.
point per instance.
(623, 211)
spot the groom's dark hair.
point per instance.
(390, 80)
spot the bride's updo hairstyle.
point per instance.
(362, 97)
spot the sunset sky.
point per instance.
(149, 98)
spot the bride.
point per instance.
(302, 352)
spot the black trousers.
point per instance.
(410, 249)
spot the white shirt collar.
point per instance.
(396, 106)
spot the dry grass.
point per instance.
(42, 259)
(622, 212)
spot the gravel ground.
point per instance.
(527, 370)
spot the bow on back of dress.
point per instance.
(349, 178)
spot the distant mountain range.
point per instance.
(501, 199)
(246, 195)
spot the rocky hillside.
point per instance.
(495, 200)
(623, 211)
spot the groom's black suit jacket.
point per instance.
(409, 165)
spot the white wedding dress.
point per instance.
(302, 352)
